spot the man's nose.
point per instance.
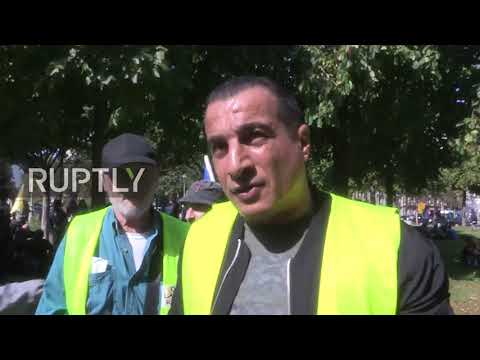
(240, 162)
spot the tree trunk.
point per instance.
(370, 196)
(340, 164)
(60, 170)
(389, 188)
(464, 203)
(45, 224)
(30, 207)
(98, 141)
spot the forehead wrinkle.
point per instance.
(231, 107)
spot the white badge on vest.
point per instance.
(99, 265)
(166, 295)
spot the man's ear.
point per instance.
(303, 133)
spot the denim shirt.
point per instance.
(120, 290)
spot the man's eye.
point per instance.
(257, 138)
(218, 148)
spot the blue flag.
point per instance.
(207, 169)
(206, 175)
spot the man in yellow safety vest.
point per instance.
(279, 246)
(121, 259)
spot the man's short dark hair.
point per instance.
(288, 109)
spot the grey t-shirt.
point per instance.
(265, 288)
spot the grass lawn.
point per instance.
(464, 280)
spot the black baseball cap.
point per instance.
(127, 148)
(203, 192)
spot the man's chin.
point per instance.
(130, 211)
(134, 214)
(255, 213)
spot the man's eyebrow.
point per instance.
(254, 125)
(215, 138)
(242, 129)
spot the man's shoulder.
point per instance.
(171, 219)
(220, 218)
(422, 277)
(415, 246)
(83, 220)
(224, 205)
(362, 204)
(219, 212)
(95, 210)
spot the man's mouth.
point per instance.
(247, 193)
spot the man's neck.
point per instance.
(280, 237)
(140, 225)
(304, 207)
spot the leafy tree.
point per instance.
(6, 183)
(380, 110)
(465, 175)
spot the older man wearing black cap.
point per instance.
(121, 259)
(127, 158)
(200, 198)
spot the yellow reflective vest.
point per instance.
(359, 265)
(82, 238)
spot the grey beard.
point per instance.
(130, 212)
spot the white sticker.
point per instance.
(166, 295)
(99, 265)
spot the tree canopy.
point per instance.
(398, 116)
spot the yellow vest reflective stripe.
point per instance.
(360, 256)
(359, 263)
(173, 237)
(203, 254)
(81, 240)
